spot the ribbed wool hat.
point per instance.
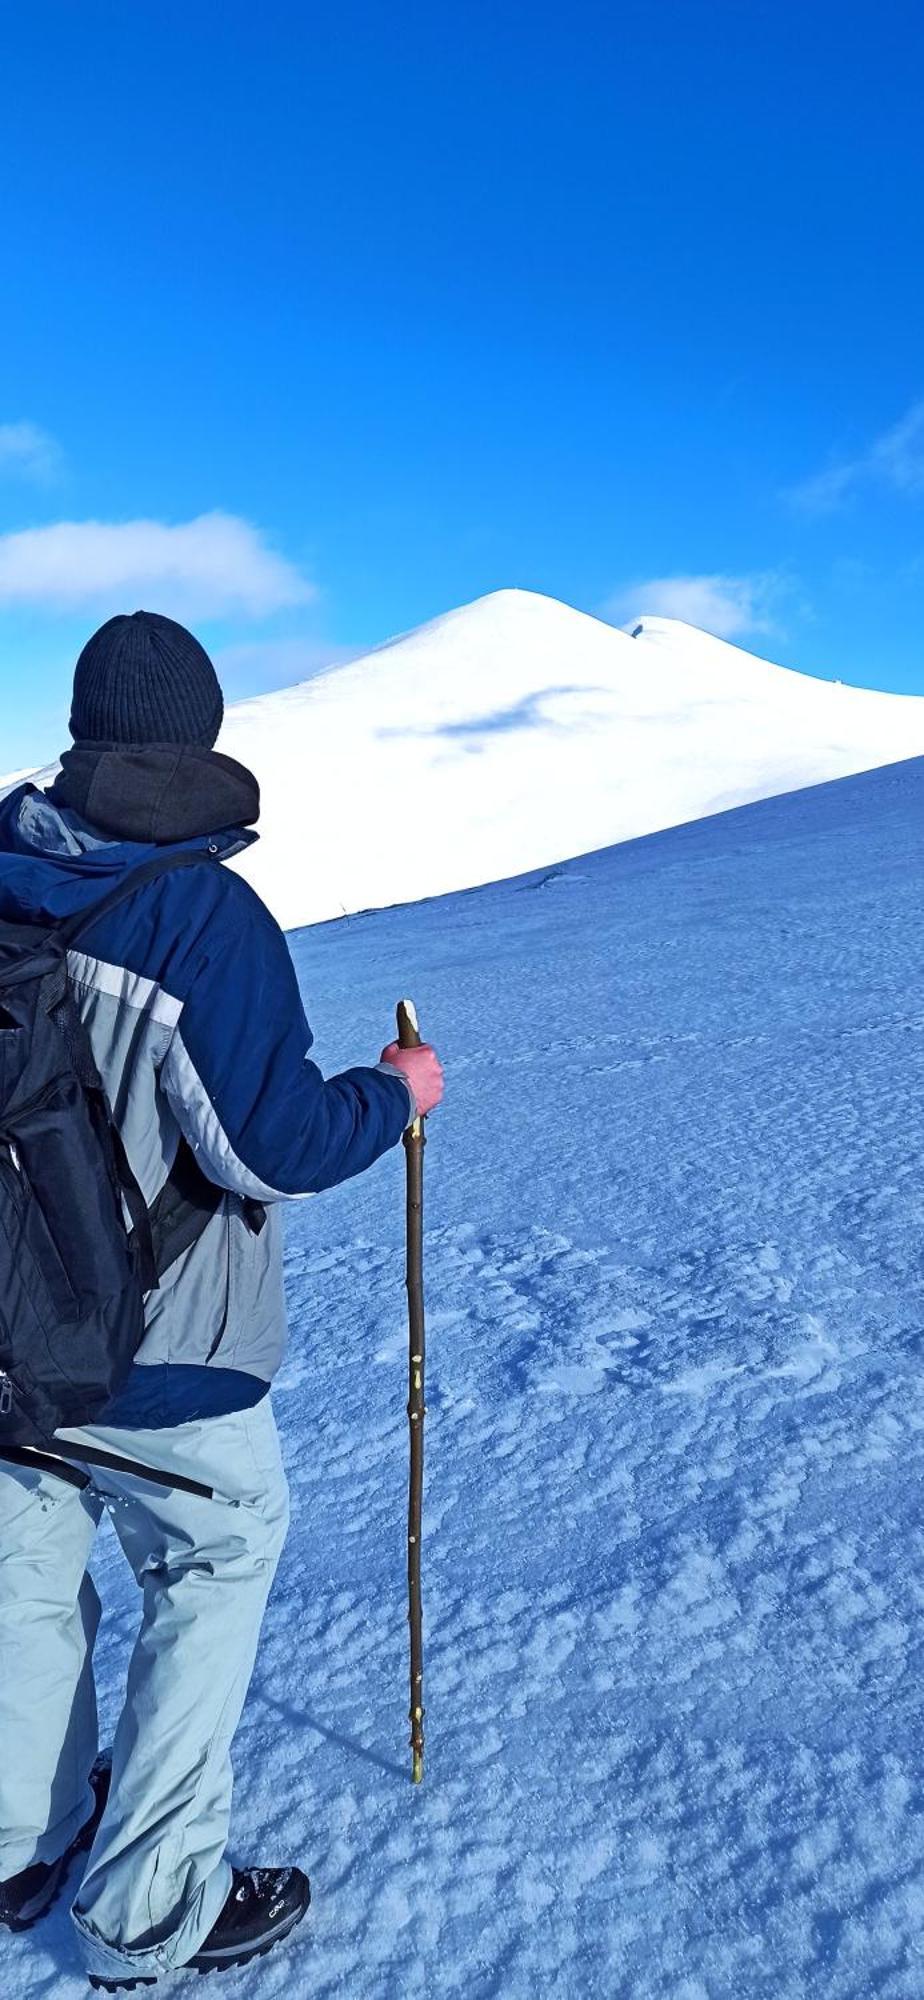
(144, 679)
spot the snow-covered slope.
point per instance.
(515, 732)
(675, 1446)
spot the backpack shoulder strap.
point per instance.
(159, 864)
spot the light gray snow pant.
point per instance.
(156, 1877)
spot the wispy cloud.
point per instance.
(898, 455)
(30, 453)
(730, 607)
(895, 460)
(214, 564)
(826, 491)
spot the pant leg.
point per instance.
(157, 1876)
(49, 1612)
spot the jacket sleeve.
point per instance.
(257, 1112)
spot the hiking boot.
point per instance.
(27, 1896)
(263, 1906)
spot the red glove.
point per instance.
(422, 1069)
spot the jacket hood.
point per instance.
(155, 792)
(108, 811)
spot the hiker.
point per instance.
(193, 1011)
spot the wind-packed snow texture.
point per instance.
(524, 731)
(674, 1558)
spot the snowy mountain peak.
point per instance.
(697, 645)
(524, 615)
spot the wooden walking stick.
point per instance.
(414, 1143)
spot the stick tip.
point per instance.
(411, 1012)
(418, 1769)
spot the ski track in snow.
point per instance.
(674, 1589)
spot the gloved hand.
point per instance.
(423, 1070)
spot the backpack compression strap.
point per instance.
(159, 864)
(60, 1468)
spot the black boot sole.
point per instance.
(118, 1985)
(204, 1966)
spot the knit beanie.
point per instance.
(144, 679)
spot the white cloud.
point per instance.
(730, 607)
(29, 451)
(894, 459)
(216, 563)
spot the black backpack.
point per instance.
(73, 1274)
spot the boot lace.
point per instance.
(254, 1882)
(249, 1885)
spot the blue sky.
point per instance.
(358, 312)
